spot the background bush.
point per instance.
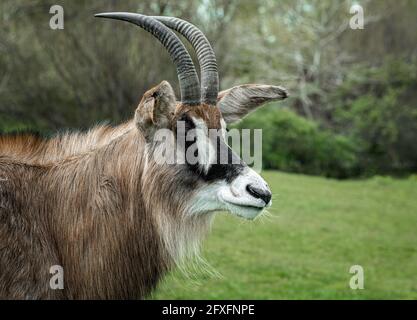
(377, 107)
(352, 110)
(295, 144)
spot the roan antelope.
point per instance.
(99, 204)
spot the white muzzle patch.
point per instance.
(246, 196)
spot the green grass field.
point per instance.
(319, 228)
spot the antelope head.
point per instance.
(208, 183)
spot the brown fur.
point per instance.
(97, 205)
(209, 114)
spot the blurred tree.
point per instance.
(295, 144)
(93, 70)
(378, 108)
(97, 70)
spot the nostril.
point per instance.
(258, 193)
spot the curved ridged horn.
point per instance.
(205, 54)
(187, 75)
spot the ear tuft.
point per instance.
(237, 102)
(155, 109)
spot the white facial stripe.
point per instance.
(233, 197)
(224, 126)
(206, 151)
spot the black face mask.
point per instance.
(221, 169)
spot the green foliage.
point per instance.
(378, 108)
(83, 74)
(340, 79)
(292, 143)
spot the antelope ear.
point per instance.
(156, 109)
(237, 102)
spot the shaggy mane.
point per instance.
(35, 148)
